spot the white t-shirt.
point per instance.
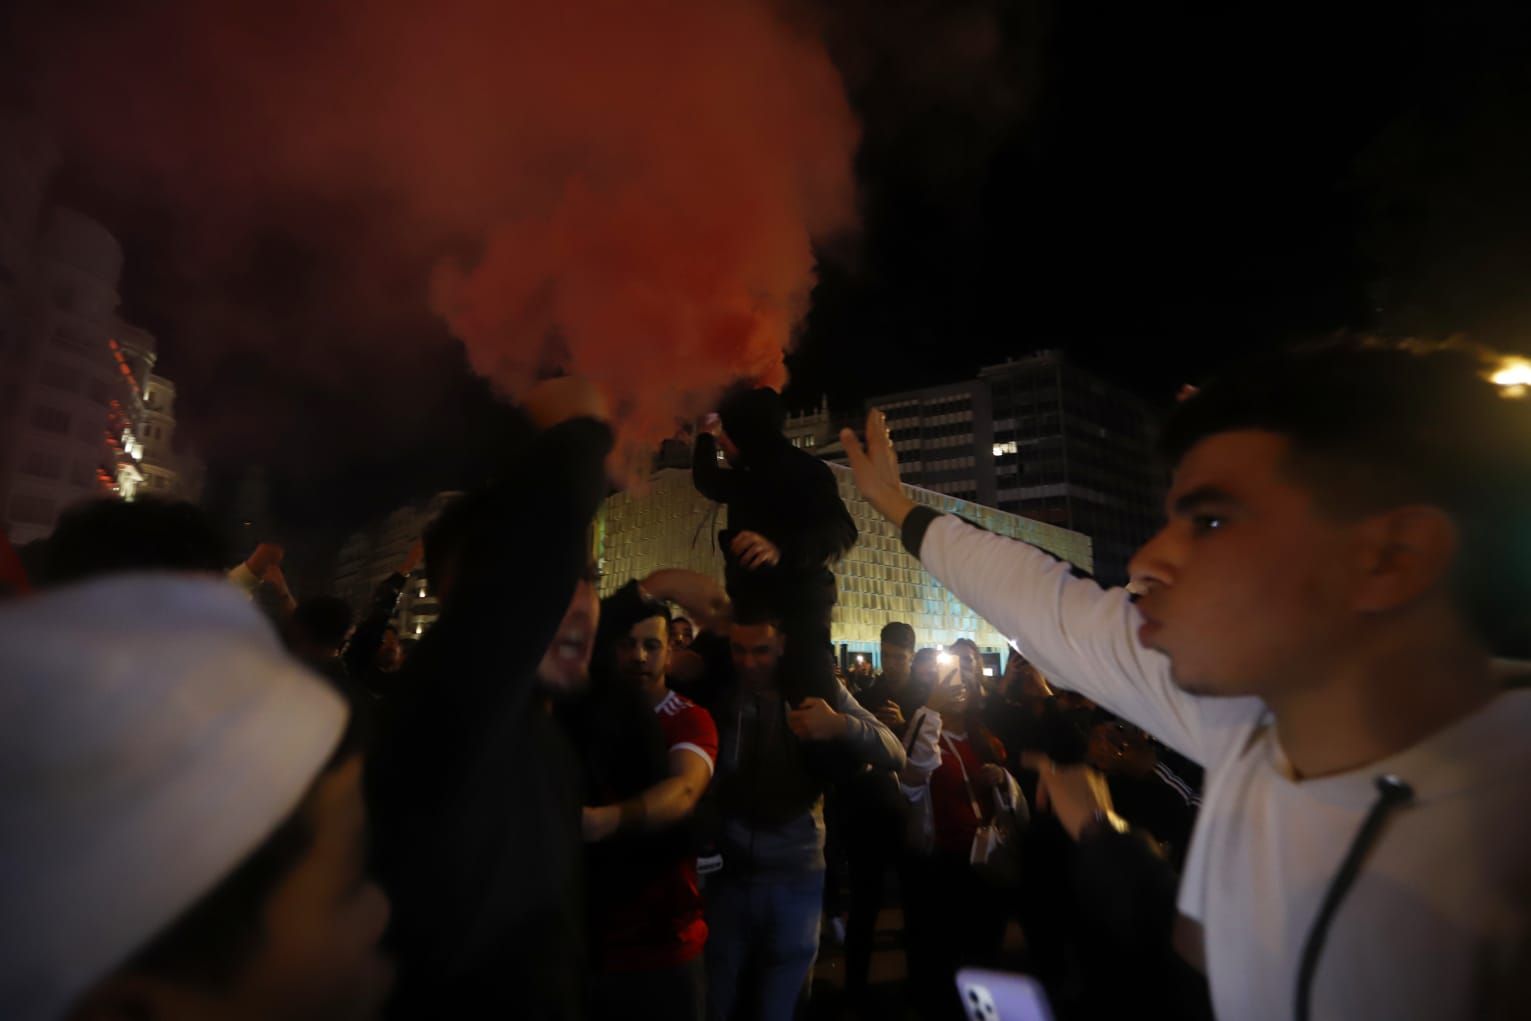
(1437, 925)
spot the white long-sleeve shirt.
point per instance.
(1438, 923)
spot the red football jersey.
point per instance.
(661, 925)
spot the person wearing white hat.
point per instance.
(181, 825)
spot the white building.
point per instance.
(69, 399)
(168, 471)
(73, 375)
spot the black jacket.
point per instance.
(474, 792)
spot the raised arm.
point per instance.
(1079, 635)
(714, 483)
(493, 627)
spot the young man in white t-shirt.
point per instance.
(1346, 548)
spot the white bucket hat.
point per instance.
(153, 733)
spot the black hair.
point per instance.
(211, 941)
(106, 536)
(750, 615)
(322, 620)
(898, 633)
(1375, 424)
(677, 618)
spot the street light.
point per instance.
(1513, 375)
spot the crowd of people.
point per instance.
(221, 800)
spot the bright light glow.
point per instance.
(1009, 447)
(946, 659)
(861, 659)
(1512, 372)
(988, 671)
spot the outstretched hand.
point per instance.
(266, 556)
(701, 596)
(876, 468)
(1076, 794)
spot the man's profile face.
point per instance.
(325, 921)
(1248, 586)
(681, 633)
(643, 654)
(896, 661)
(755, 649)
(565, 665)
(319, 956)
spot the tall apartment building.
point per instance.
(73, 376)
(1074, 450)
(169, 470)
(1036, 437)
(667, 523)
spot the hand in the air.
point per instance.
(890, 715)
(814, 720)
(755, 551)
(266, 556)
(1076, 794)
(598, 822)
(876, 468)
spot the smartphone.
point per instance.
(1001, 996)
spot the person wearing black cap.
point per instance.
(648, 755)
(786, 526)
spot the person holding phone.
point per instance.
(955, 782)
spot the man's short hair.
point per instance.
(322, 620)
(679, 618)
(970, 644)
(756, 616)
(106, 536)
(899, 634)
(1375, 424)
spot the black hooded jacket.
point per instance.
(783, 493)
(473, 793)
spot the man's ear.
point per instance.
(1405, 553)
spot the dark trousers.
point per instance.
(952, 919)
(873, 835)
(678, 993)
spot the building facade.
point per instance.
(68, 400)
(168, 470)
(1037, 437)
(73, 376)
(667, 523)
(369, 556)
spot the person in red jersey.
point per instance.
(647, 930)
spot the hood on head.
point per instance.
(753, 419)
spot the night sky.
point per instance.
(1152, 187)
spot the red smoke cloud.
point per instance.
(625, 190)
